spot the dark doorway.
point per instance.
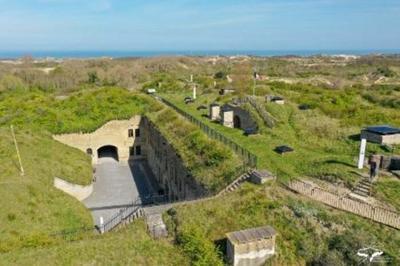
(236, 122)
(108, 152)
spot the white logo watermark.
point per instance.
(371, 255)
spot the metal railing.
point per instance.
(123, 215)
(249, 158)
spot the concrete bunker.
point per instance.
(108, 151)
(233, 116)
(158, 171)
(236, 121)
(252, 246)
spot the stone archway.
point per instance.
(108, 151)
(236, 122)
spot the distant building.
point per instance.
(226, 91)
(383, 134)
(215, 110)
(275, 99)
(251, 246)
(227, 118)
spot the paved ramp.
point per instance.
(118, 185)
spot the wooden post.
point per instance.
(17, 149)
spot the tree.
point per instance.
(92, 77)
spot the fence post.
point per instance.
(102, 229)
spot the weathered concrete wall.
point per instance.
(390, 162)
(172, 175)
(77, 191)
(253, 253)
(380, 139)
(374, 213)
(391, 139)
(233, 114)
(215, 112)
(227, 118)
(246, 121)
(114, 133)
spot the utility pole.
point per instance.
(255, 80)
(17, 149)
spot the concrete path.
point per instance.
(117, 186)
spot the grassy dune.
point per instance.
(308, 232)
(325, 139)
(130, 246)
(31, 208)
(211, 163)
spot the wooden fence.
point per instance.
(377, 214)
(249, 158)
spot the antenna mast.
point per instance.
(17, 149)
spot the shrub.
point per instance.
(200, 250)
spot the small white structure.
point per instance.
(227, 116)
(251, 246)
(383, 134)
(151, 91)
(215, 110)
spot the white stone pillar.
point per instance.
(194, 92)
(361, 157)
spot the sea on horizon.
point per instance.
(121, 54)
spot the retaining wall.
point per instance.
(366, 210)
(77, 191)
(168, 167)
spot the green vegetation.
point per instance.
(129, 246)
(80, 112)
(325, 138)
(31, 208)
(210, 162)
(321, 150)
(41, 225)
(388, 189)
(308, 232)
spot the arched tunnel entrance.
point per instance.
(108, 151)
(236, 122)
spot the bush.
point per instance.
(200, 250)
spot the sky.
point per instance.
(166, 25)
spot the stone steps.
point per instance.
(156, 226)
(235, 184)
(363, 188)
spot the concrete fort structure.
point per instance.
(120, 138)
(381, 134)
(173, 177)
(251, 246)
(215, 110)
(234, 116)
(139, 138)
